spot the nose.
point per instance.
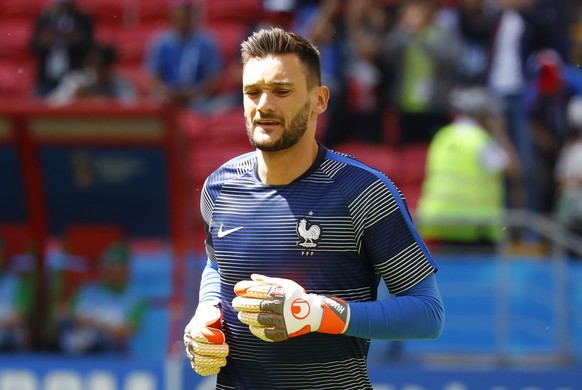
(265, 102)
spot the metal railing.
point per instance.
(560, 245)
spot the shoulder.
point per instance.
(357, 179)
(349, 167)
(164, 38)
(205, 37)
(232, 169)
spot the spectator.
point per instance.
(321, 22)
(477, 21)
(17, 299)
(553, 85)
(568, 173)
(184, 62)
(514, 39)
(357, 113)
(421, 56)
(97, 80)
(61, 38)
(107, 313)
(465, 169)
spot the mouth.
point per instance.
(267, 122)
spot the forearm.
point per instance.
(209, 283)
(416, 314)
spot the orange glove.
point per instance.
(277, 309)
(204, 341)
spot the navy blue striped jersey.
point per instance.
(336, 230)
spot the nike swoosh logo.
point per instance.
(222, 233)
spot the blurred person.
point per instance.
(358, 114)
(466, 164)
(477, 21)
(18, 293)
(65, 273)
(62, 36)
(568, 172)
(184, 62)
(420, 55)
(321, 22)
(327, 230)
(98, 80)
(553, 85)
(517, 36)
(104, 314)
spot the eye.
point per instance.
(251, 92)
(283, 92)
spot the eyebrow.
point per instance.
(271, 84)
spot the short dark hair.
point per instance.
(276, 41)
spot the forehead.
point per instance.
(285, 68)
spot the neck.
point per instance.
(284, 166)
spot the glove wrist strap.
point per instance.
(336, 315)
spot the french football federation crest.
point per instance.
(308, 232)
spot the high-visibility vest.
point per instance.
(457, 186)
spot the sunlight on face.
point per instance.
(278, 106)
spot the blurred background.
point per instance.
(113, 112)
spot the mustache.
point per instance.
(273, 118)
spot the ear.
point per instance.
(321, 99)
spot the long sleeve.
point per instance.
(417, 313)
(209, 283)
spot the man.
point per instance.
(97, 81)
(60, 41)
(301, 218)
(466, 165)
(18, 281)
(183, 61)
(104, 315)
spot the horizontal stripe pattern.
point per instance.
(335, 231)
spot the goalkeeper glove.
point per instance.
(204, 341)
(277, 309)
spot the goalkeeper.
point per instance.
(298, 239)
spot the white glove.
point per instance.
(277, 309)
(204, 341)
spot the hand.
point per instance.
(277, 309)
(204, 341)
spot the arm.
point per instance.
(209, 283)
(417, 313)
(205, 343)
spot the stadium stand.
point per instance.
(474, 329)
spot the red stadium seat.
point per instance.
(412, 194)
(131, 42)
(90, 241)
(227, 128)
(151, 11)
(413, 161)
(106, 12)
(194, 126)
(16, 78)
(14, 38)
(228, 37)
(19, 9)
(378, 156)
(241, 11)
(17, 238)
(207, 157)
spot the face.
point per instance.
(279, 107)
(183, 18)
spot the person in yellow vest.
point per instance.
(463, 197)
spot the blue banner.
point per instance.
(127, 187)
(12, 197)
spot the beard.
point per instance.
(290, 136)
